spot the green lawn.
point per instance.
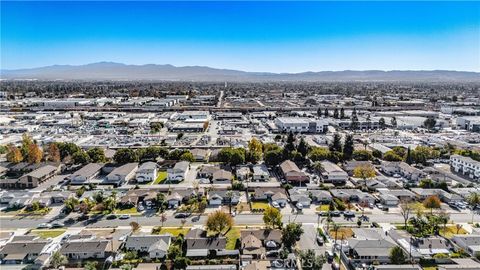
(175, 231)
(323, 208)
(162, 176)
(130, 211)
(232, 236)
(48, 233)
(39, 212)
(259, 205)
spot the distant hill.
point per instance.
(118, 71)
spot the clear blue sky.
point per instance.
(252, 36)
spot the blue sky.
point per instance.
(251, 36)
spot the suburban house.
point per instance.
(403, 169)
(352, 195)
(466, 166)
(429, 246)
(23, 250)
(470, 243)
(89, 248)
(207, 171)
(135, 196)
(260, 173)
(122, 174)
(85, 174)
(320, 196)
(57, 196)
(388, 199)
(242, 173)
(361, 251)
(177, 196)
(199, 245)
(331, 173)
(256, 242)
(266, 193)
(349, 166)
(155, 245)
(179, 172)
(199, 154)
(222, 177)
(226, 197)
(301, 196)
(401, 194)
(147, 172)
(292, 173)
(36, 177)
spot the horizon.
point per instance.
(274, 37)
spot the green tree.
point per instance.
(273, 157)
(365, 172)
(68, 149)
(326, 113)
(335, 113)
(302, 147)
(319, 154)
(342, 113)
(290, 145)
(14, 155)
(319, 112)
(97, 155)
(397, 256)
(348, 147)
(430, 123)
(474, 200)
(125, 155)
(393, 122)
(187, 156)
(310, 261)
(218, 221)
(90, 265)
(381, 123)
(336, 145)
(80, 157)
(391, 156)
(291, 234)
(58, 259)
(272, 217)
(362, 155)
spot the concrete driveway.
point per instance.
(308, 240)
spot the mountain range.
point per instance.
(152, 72)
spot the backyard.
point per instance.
(162, 176)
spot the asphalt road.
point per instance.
(243, 219)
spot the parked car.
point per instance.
(124, 216)
(335, 213)
(182, 215)
(195, 218)
(272, 253)
(111, 216)
(57, 225)
(329, 255)
(348, 214)
(320, 241)
(275, 204)
(44, 226)
(299, 206)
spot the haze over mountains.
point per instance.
(118, 71)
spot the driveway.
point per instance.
(308, 240)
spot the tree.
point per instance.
(97, 155)
(430, 123)
(34, 154)
(362, 155)
(319, 112)
(432, 202)
(474, 200)
(302, 147)
(381, 123)
(290, 145)
(187, 156)
(255, 146)
(26, 142)
(173, 252)
(364, 171)
(348, 147)
(80, 157)
(71, 203)
(336, 145)
(408, 157)
(152, 153)
(135, 226)
(155, 127)
(391, 156)
(319, 154)
(326, 113)
(354, 122)
(125, 155)
(397, 256)
(310, 261)
(273, 157)
(58, 259)
(342, 113)
(393, 121)
(335, 113)
(218, 221)
(14, 155)
(290, 235)
(90, 265)
(232, 156)
(68, 149)
(406, 209)
(272, 217)
(53, 153)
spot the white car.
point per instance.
(124, 216)
(275, 204)
(44, 226)
(299, 206)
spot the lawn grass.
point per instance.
(130, 211)
(232, 236)
(11, 212)
(39, 212)
(243, 206)
(343, 232)
(48, 233)
(162, 176)
(175, 231)
(259, 205)
(323, 208)
(450, 231)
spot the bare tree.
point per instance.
(406, 209)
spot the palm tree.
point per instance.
(335, 229)
(474, 201)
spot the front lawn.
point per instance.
(323, 208)
(129, 211)
(259, 206)
(174, 231)
(451, 230)
(39, 212)
(232, 236)
(344, 232)
(162, 176)
(48, 233)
